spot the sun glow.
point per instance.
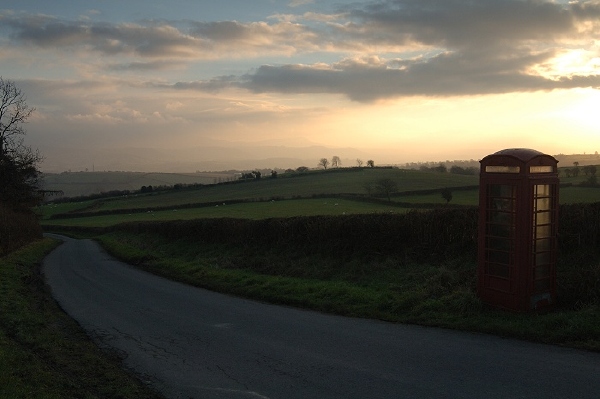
(583, 112)
(569, 63)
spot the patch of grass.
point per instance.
(391, 288)
(574, 195)
(47, 210)
(568, 195)
(44, 353)
(459, 197)
(252, 210)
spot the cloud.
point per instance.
(215, 84)
(256, 38)
(380, 50)
(151, 40)
(444, 75)
(189, 40)
(461, 23)
(297, 3)
(459, 48)
(146, 66)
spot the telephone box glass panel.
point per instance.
(544, 227)
(500, 234)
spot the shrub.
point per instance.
(17, 228)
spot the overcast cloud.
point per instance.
(414, 47)
(402, 73)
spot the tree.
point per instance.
(589, 170)
(386, 187)
(458, 170)
(359, 162)
(371, 163)
(447, 195)
(254, 175)
(441, 168)
(14, 112)
(324, 162)
(575, 170)
(19, 175)
(302, 169)
(336, 162)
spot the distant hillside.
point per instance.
(291, 185)
(74, 184)
(565, 161)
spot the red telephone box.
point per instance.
(518, 215)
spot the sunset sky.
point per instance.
(399, 80)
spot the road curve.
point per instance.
(192, 343)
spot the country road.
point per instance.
(192, 343)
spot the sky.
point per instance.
(398, 80)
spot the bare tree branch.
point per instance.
(14, 112)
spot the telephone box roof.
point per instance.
(524, 155)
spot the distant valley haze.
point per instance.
(186, 160)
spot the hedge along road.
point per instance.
(192, 343)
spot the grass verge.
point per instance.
(391, 288)
(44, 353)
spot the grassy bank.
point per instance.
(43, 353)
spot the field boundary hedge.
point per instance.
(437, 232)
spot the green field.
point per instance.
(567, 195)
(288, 186)
(287, 196)
(343, 181)
(253, 210)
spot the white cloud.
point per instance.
(297, 3)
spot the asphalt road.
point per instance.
(192, 343)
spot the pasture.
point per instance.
(568, 195)
(252, 210)
(296, 194)
(354, 182)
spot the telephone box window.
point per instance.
(541, 169)
(500, 231)
(502, 169)
(543, 232)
